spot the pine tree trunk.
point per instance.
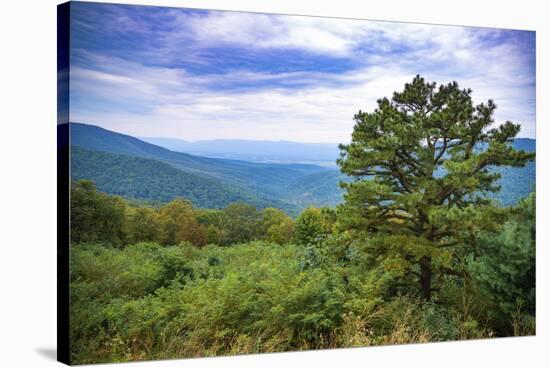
(426, 277)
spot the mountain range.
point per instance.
(139, 170)
(266, 151)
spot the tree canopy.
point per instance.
(421, 167)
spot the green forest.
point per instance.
(416, 252)
(123, 165)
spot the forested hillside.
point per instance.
(247, 174)
(318, 189)
(151, 180)
(291, 187)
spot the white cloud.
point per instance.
(162, 101)
(269, 31)
(332, 36)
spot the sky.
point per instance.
(200, 75)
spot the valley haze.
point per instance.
(255, 150)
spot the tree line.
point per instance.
(97, 217)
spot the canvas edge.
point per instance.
(63, 183)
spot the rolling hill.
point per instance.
(151, 180)
(318, 189)
(124, 165)
(257, 176)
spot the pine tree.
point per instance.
(421, 163)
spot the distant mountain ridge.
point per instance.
(260, 184)
(254, 150)
(124, 165)
(238, 172)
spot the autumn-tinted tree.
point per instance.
(180, 224)
(143, 225)
(211, 219)
(276, 226)
(421, 163)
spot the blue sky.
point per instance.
(197, 74)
